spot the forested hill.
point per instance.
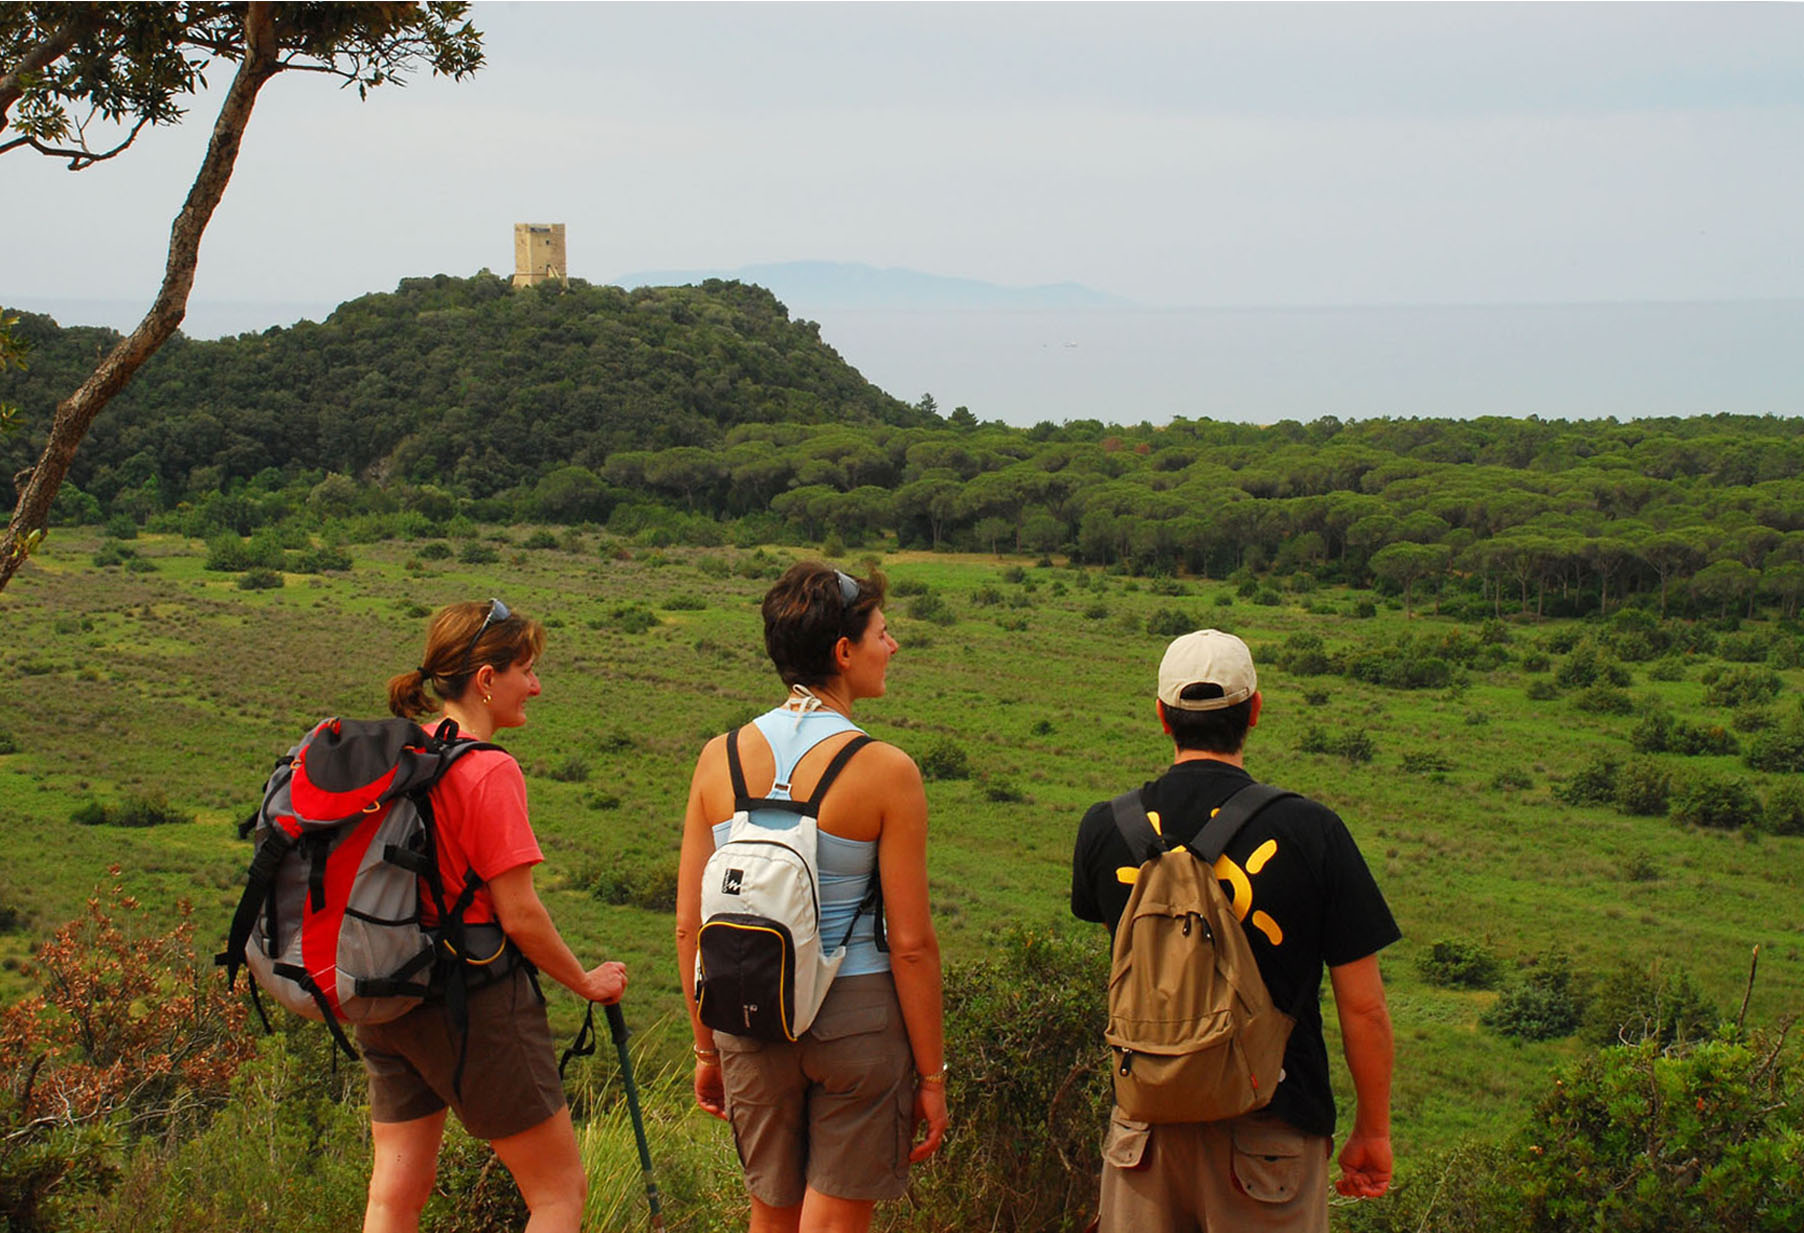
(468, 383)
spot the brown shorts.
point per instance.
(510, 1080)
(833, 1111)
(1253, 1172)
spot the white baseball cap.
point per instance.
(1209, 657)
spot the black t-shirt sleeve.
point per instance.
(1086, 858)
(1359, 922)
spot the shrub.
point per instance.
(1459, 965)
(1354, 746)
(1002, 791)
(9, 744)
(903, 588)
(1536, 661)
(946, 759)
(1267, 597)
(1604, 700)
(1717, 803)
(1304, 654)
(1751, 719)
(1666, 668)
(1426, 763)
(932, 608)
(1541, 691)
(147, 809)
(1169, 623)
(1511, 779)
(1542, 1005)
(540, 540)
(1365, 610)
(1783, 813)
(1593, 784)
(573, 769)
(639, 883)
(475, 552)
(130, 1031)
(1780, 750)
(634, 618)
(1097, 611)
(113, 553)
(324, 559)
(261, 580)
(1748, 648)
(1629, 1006)
(1026, 1022)
(684, 603)
(437, 550)
(1641, 788)
(1405, 664)
(1586, 666)
(1649, 1139)
(1658, 732)
(1739, 687)
(986, 596)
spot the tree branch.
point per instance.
(76, 413)
(52, 49)
(80, 158)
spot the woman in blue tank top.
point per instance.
(825, 1124)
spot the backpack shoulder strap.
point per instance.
(736, 770)
(833, 769)
(1144, 843)
(1235, 812)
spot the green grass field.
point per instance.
(174, 681)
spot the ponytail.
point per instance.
(407, 696)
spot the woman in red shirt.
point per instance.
(479, 662)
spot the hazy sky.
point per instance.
(1238, 154)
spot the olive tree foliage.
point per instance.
(81, 81)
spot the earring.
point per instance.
(486, 698)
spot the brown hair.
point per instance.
(805, 616)
(450, 659)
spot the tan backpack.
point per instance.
(1194, 1033)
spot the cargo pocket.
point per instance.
(1124, 1146)
(1268, 1159)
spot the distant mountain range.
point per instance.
(809, 287)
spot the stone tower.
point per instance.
(539, 254)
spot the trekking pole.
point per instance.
(617, 1028)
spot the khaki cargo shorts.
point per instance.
(833, 1111)
(1255, 1172)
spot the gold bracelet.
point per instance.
(938, 1076)
(706, 1055)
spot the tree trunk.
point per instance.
(76, 413)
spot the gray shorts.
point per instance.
(833, 1111)
(1255, 1172)
(510, 1080)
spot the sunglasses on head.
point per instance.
(496, 614)
(848, 589)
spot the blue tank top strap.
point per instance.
(791, 734)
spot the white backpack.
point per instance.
(761, 969)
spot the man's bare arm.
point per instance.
(1365, 1029)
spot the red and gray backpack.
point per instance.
(330, 922)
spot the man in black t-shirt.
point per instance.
(1306, 900)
